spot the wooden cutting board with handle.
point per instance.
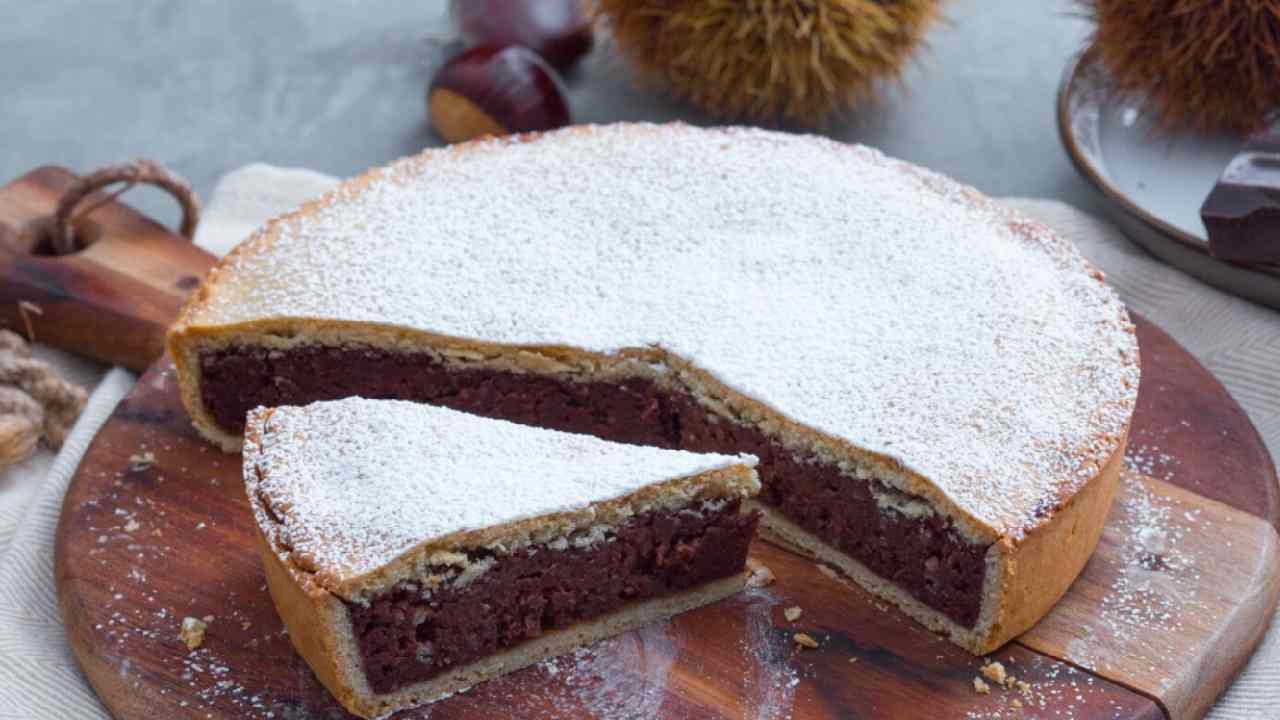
(111, 300)
(154, 529)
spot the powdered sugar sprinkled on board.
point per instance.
(1156, 586)
(871, 300)
(770, 680)
(355, 483)
(623, 677)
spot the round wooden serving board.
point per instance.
(1181, 589)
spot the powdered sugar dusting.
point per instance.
(636, 676)
(623, 677)
(871, 300)
(1156, 594)
(769, 683)
(355, 482)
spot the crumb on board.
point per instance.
(792, 613)
(995, 672)
(981, 687)
(142, 461)
(192, 632)
(1023, 686)
(805, 640)
(1016, 703)
(760, 575)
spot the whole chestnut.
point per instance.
(558, 30)
(495, 90)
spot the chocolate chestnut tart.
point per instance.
(938, 389)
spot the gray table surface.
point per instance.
(205, 86)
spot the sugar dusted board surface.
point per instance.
(194, 553)
(358, 482)
(869, 299)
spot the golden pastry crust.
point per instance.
(313, 600)
(281, 519)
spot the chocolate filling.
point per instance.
(923, 554)
(407, 636)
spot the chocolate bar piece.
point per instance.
(1242, 213)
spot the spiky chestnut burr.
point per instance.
(769, 60)
(1206, 65)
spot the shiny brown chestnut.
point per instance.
(558, 30)
(495, 90)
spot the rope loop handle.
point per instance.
(141, 171)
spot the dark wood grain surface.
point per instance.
(1188, 430)
(143, 544)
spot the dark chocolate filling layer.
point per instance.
(924, 555)
(406, 636)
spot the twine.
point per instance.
(139, 171)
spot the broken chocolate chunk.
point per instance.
(1242, 212)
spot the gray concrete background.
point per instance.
(207, 85)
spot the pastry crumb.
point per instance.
(853, 659)
(1023, 686)
(1016, 703)
(981, 687)
(805, 640)
(192, 632)
(792, 613)
(131, 525)
(142, 461)
(995, 672)
(760, 576)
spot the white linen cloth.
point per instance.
(1237, 340)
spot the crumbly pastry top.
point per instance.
(861, 296)
(353, 484)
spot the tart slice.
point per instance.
(414, 551)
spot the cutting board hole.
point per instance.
(40, 234)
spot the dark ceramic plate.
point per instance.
(1155, 183)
